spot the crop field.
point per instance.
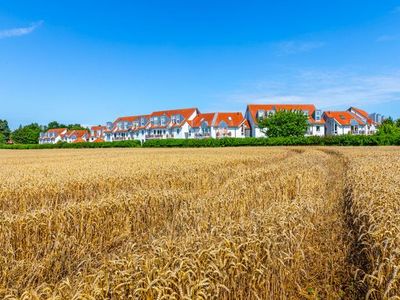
(223, 223)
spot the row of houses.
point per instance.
(190, 123)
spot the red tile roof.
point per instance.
(362, 113)
(126, 119)
(57, 131)
(185, 112)
(254, 108)
(343, 117)
(79, 140)
(232, 119)
(200, 118)
(77, 133)
(98, 140)
(98, 127)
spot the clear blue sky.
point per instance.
(91, 61)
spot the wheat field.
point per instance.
(225, 223)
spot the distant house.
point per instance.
(170, 123)
(119, 129)
(352, 121)
(97, 132)
(52, 136)
(76, 136)
(256, 112)
(219, 125)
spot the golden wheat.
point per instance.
(243, 223)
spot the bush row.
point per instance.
(119, 144)
(342, 140)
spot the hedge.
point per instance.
(119, 144)
(341, 140)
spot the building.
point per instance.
(52, 136)
(352, 121)
(76, 136)
(256, 112)
(377, 118)
(97, 133)
(219, 125)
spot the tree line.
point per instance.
(29, 134)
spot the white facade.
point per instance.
(52, 136)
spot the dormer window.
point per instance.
(260, 114)
(318, 114)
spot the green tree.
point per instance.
(55, 124)
(388, 121)
(4, 131)
(284, 123)
(28, 134)
(388, 128)
(398, 122)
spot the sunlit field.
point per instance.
(225, 223)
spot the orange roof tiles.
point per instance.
(57, 131)
(232, 119)
(343, 117)
(126, 119)
(200, 118)
(185, 112)
(79, 140)
(310, 108)
(98, 140)
(362, 113)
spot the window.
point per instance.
(318, 128)
(177, 130)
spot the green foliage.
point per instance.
(28, 134)
(55, 124)
(341, 140)
(398, 122)
(388, 128)
(4, 131)
(284, 124)
(120, 144)
(388, 121)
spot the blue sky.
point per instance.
(92, 61)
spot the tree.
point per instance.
(55, 124)
(284, 124)
(388, 128)
(388, 121)
(28, 134)
(4, 131)
(398, 122)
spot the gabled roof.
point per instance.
(79, 140)
(232, 119)
(98, 127)
(57, 131)
(77, 133)
(363, 113)
(310, 108)
(185, 112)
(98, 140)
(200, 118)
(126, 119)
(343, 117)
